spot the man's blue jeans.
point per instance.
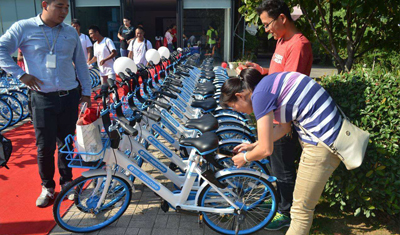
(124, 53)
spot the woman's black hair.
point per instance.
(274, 8)
(247, 80)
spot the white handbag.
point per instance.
(350, 145)
(88, 140)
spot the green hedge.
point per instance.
(371, 99)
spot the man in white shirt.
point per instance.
(169, 38)
(104, 53)
(87, 45)
(138, 47)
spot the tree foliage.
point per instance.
(345, 29)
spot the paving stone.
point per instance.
(161, 222)
(165, 231)
(184, 231)
(141, 224)
(113, 230)
(188, 221)
(132, 231)
(173, 221)
(198, 232)
(145, 231)
(124, 220)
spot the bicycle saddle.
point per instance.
(206, 105)
(205, 90)
(204, 124)
(205, 84)
(204, 144)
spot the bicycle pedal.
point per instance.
(164, 206)
(173, 166)
(200, 219)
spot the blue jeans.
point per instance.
(124, 53)
(170, 47)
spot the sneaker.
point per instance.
(70, 195)
(278, 222)
(267, 203)
(44, 198)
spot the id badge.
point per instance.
(51, 61)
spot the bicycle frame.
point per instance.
(179, 200)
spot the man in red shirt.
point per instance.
(293, 53)
(173, 33)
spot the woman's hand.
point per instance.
(238, 160)
(263, 71)
(244, 147)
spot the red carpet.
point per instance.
(20, 187)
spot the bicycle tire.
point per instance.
(16, 107)
(261, 212)
(6, 115)
(234, 134)
(23, 98)
(72, 220)
(256, 165)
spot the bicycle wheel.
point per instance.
(235, 124)
(82, 217)
(6, 115)
(23, 98)
(235, 134)
(248, 191)
(16, 107)
(256, 165)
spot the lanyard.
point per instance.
(47, 40)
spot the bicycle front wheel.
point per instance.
(83, 215)
(250, 193)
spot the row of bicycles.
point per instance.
(14, 102)
(175, 110)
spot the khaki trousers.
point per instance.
(316, 166)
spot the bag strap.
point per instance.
(108, 48)
(320, 141)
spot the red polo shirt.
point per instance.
(293, 55)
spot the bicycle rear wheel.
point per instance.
(249, 191)
(6, 115)
(16, 106)
(23, 98)
(82, 217)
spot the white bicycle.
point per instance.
(230, 201)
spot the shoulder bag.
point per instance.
(350, 145)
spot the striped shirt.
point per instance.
(293, 96)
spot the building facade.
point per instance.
(192, 18)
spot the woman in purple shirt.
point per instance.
(289, 97)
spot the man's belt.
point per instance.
(56, 93)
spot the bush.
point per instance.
(380, 59)
(371, 99)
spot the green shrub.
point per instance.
(371, 99)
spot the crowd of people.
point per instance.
(57, 57)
